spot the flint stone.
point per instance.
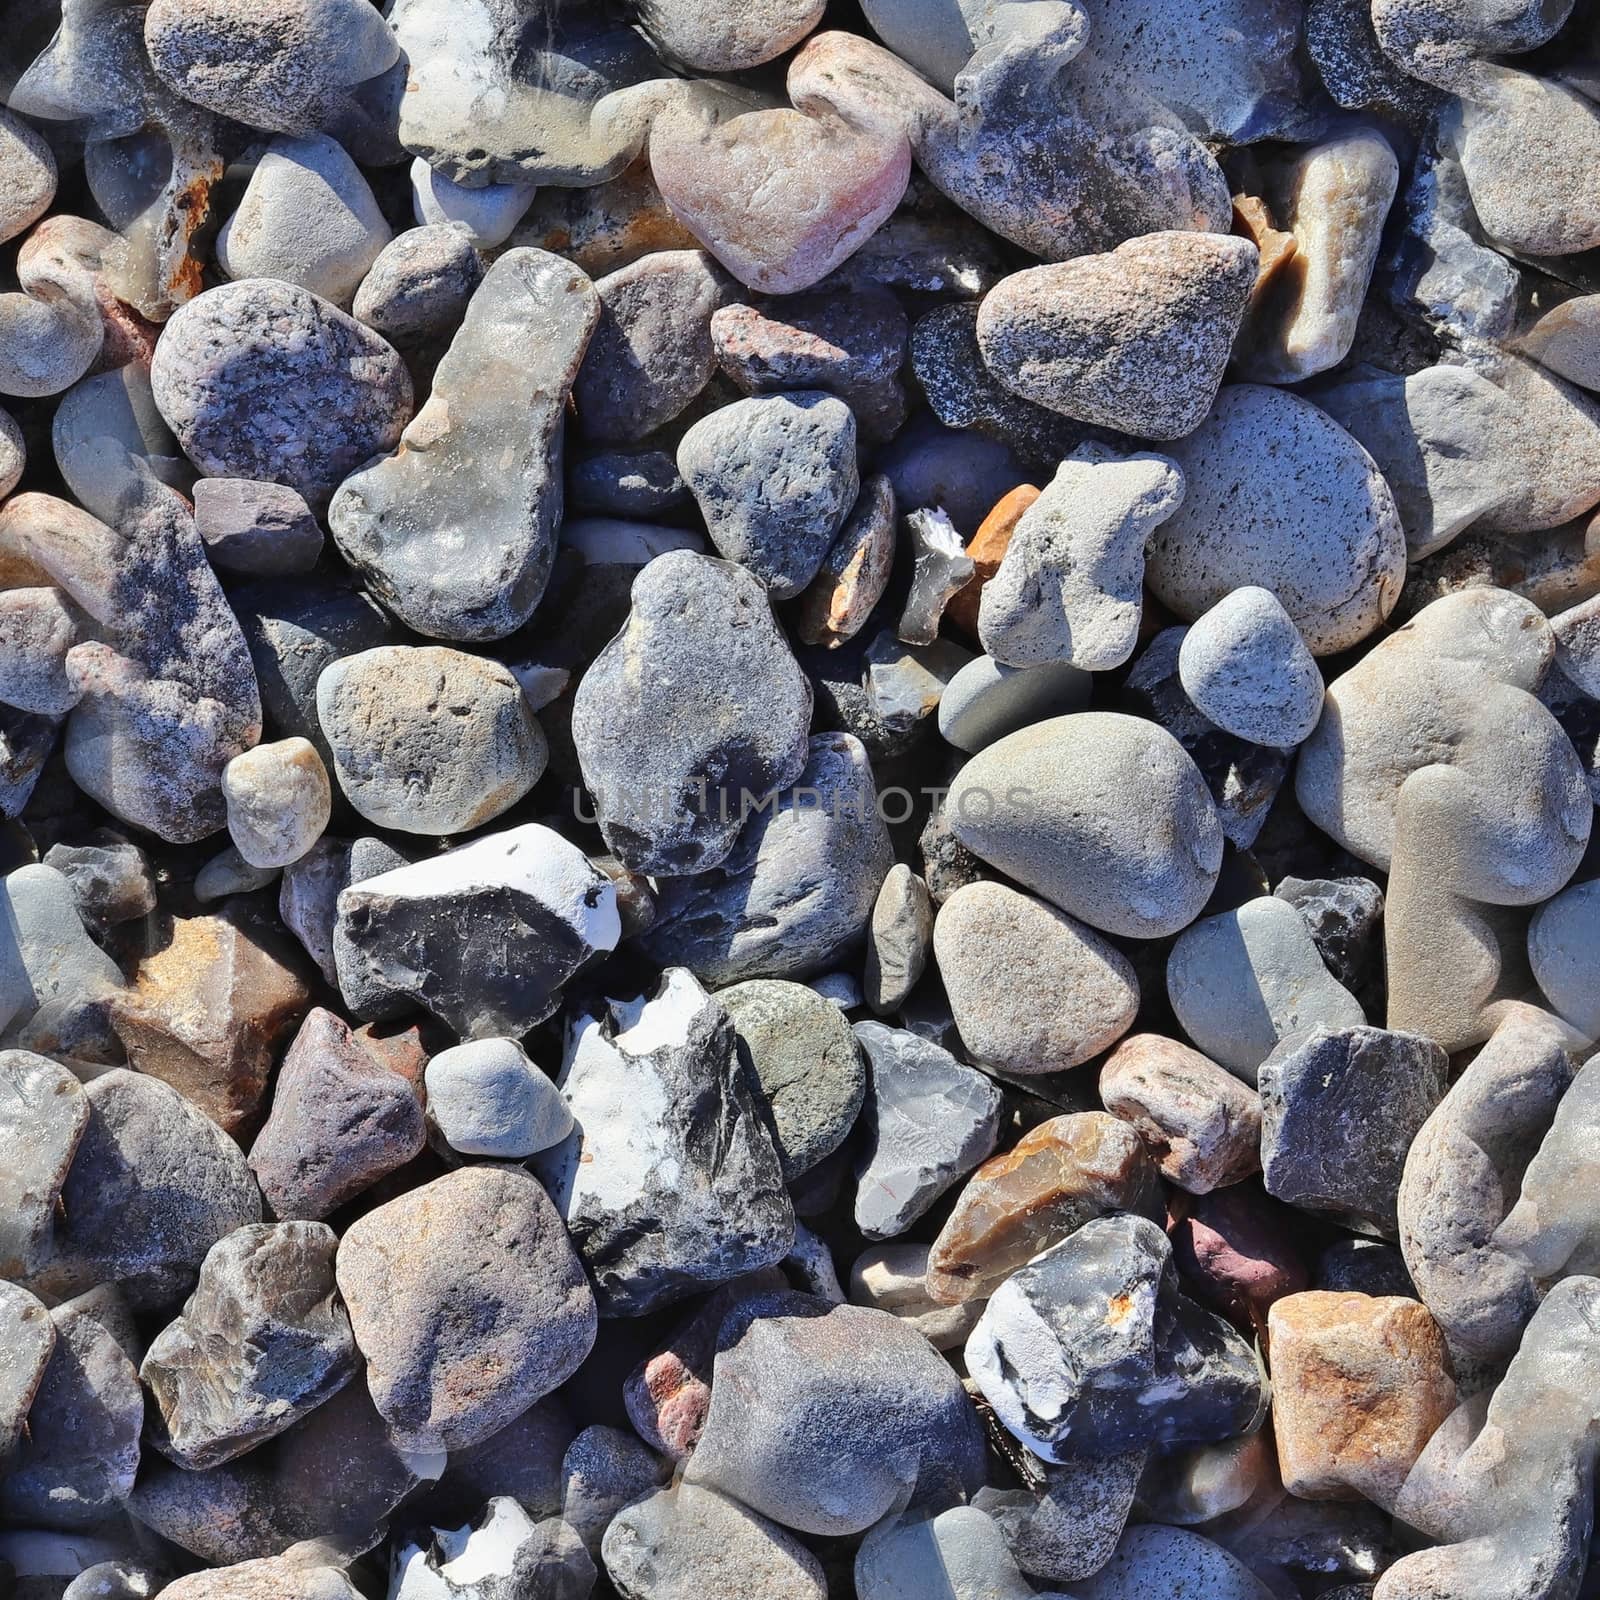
(501, 1555)
(1345, 916)
(483, 217)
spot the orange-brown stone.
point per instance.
(987, 548)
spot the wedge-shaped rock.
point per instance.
(455, 532)
(27, 1336)
(43, 1112)
(669, 1183)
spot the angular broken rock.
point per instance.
(503, 1554)
(456, 531)
(467, 1302)
(1090, 1349)
(43, 1112)
(669, 1183)
(27, 1336)
(941, 569)
(484, 936)
(1070, 586)
(262, 1341)
(854, 573)
(1071, 1526)
(899, 940)
(1056, 1178)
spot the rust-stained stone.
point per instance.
(987, 548)
(853, 574)
(1360, 1383)
(1060, 1175)
(207, 1010)
(1275, 248)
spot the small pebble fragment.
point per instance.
(899, 939)
(941, 569)
(419, 285)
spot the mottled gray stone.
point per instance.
(262, 379)
(624, 483)
(43, 1112)
(261, 1342)
(1152, 1559)
(110, 876)
(37, 629)
(669, 1182)
(605, 1468)
(705, 35)
(487, 1098)
(928, 1122)
(899, 939)
(455, 532)
(959, 1554)
(27, 1336)
(262, 530)
(101, 424)
(420, 285)
(905, 682)
(1069, 1528)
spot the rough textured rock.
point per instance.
(669, 1182)
(1345, 916)
(255, 529)
(603, 1470)
(1152, 1559)
(854, 573)
(43, 1113)
(261, 1342)
(821, 1447)
(29, 1337)
(27, 176)
(713, 40)
(420, 285)
(456, 531)
(467, 1302)
(262, 379)
(1134, 340)
(1090, 1349)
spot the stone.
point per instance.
(826, 1418)
(1070, 585)
(263, 379)
(269, 1578)
(624, 483)
(210, 1002)
(37, 630)
(803, 1065)
(26, 743)
(261, 1343)
(467, 1302)
(307, 217)
(1237, 1250)
(795, 896)
(1031, 989)
(1102, 814)
(1016, 1206)
(962, 473)
(687, 1541)
(987, 699)
(1344, 47)
(1564, 340)
(1245, 667)
(1324, 537)
(1577, 636)
(485, 217)
(287, 70)
(941, 568)
(669, 1182)
(46, 346)
(1565, 957)
(928, 1120)
(651, 353)
(340, 1120)
(427, 739)
(43, 1114)
(1244, 980)
(111, 877)
(1070, 1528)
(1150, 1559)
(1345, 916)
(27, 177)
(477, 472)
(606, 227)
(115, 1580)
(1094, 338)
(708, 38)
(279, 801)
(836, 604)
(228, 873)
(419, 285)
(13, 452)
(487, 1098)
(484, 936)
(1200, 1124)
(899, 939)
(698, 689)
(261, 530)
(1091, 1350)
(1364, 1266)
(1360, 1384)
(959, 1554)
(1339, 1109)
(603, 1470)
(522, 1461)
(904, 682)
(774, 477)
(501, 1552)
(893, 1278)
(30, 1336)
(80, 1453)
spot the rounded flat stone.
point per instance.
(488, 1099)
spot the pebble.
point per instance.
(669, 1182)
(477, 472)
(467, 1302)
(706, 37)
(624, 483)
(286, 70)
(1200, 1124)
(13, 453)
(959, 1554)
(651, 353)
(987, 699)
(941, 568)
(854, 573)
(228, 873)
(500, 1551)
(1070, 584)
(269, 1578)
(1032, 990)
(1324, 535)
(37, 630)
(111, 877)
(307, 217)
(893, 1278)
(27, 176)
(1246, 668)
(1565, 957)
(1090, 1349)
(804, 1064)
(1094, 338)
(822, 1447)
(774, 477)
(46, 345)
(1070, 1529)
(1339, 1109)
(899, 939)
(1237, 1250)
(1360, 1384)
(421, 934)
(1345, 916)
(603, 1470)
(260, 530)
(426, 739)
(263, 379)
(1102, 814)
(1246, 979)
(487, 1098)
(340, 1120)
(1564, 340)
(1057, 1177)
(1577, 636)
(262, 1342)
(927, 1121)
(688, 1542)
(46, 1112)
(279, 801)
(482, 217)
(1152, 1559)
(904, 682)
(419, 285)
